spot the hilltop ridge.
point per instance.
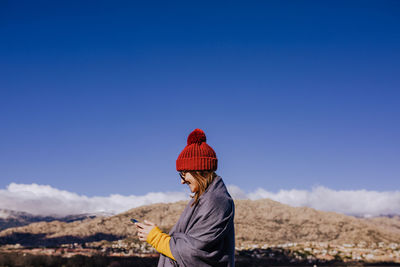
(256, 222)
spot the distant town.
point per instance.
(307, 252)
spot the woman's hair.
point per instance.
(203, 179)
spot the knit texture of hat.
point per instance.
(197, 155)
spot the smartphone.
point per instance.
(134, 220)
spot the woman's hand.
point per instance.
(144, 229)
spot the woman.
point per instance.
(204, 234)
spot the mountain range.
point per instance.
(12, 218)
(257, 222)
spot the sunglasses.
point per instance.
(182, 175)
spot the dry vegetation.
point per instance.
(257, 222)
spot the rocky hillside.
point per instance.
(10, 218)
(256, 222)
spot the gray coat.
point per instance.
(204, 234)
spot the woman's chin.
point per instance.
(192, 189)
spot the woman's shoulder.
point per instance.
(218, 197)
(221, 192)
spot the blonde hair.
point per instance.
(203, 180)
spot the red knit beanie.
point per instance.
(197, 155)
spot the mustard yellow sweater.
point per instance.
(160, 241)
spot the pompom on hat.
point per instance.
(197, 155)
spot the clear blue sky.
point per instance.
(98, 97)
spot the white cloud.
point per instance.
(352, 202)
(46, 200)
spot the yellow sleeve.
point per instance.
(160, 241)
